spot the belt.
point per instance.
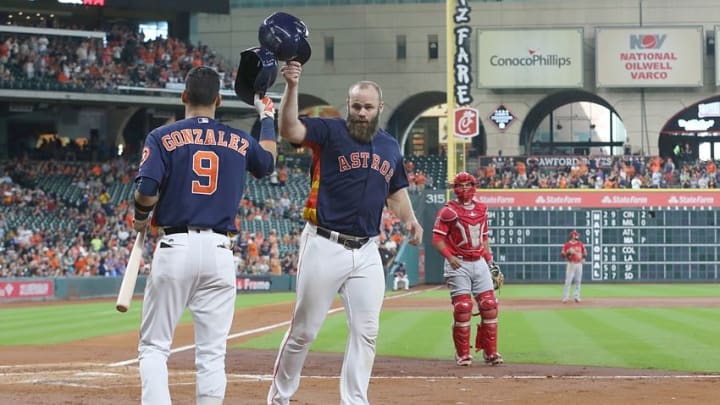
(349, 242)
(468, 259)
(184, 229)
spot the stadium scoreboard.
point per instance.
(630, 235)
(622, 244)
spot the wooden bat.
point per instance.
(127, 288)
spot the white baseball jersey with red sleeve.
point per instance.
(574, 251)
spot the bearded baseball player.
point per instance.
(192, 177)
(574, 252)
(460, 234)
(356, 170)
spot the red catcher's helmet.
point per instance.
(286, 36)
(459, 182)
(574, 234)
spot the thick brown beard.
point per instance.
(362, 131)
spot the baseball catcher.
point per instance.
(460, 234)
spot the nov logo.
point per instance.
(467, 122)
(647, 41)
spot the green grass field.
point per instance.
(683, 338)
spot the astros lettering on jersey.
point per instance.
(370, 175)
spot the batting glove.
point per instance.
(265, 107)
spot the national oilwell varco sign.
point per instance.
(649, 57)
(530, 58)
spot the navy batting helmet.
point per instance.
(286, 36)
(257, 72)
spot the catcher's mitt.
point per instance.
(498, 277)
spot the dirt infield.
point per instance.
(104, 371)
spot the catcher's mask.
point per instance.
(286, 36)
(574, 235)
(464, 186)
(257, 72)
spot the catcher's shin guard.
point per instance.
(462, 314)
(486, 338)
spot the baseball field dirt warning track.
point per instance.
(103, 371)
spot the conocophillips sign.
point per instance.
(530, 58)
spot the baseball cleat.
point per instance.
(564, 300)
(463, 360)
(493, 359)
(577, 299)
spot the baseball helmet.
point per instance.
(574, 234)
(257, 72)
(462, 178)
(286, 36)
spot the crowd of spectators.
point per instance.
(45, 234)
(123, 58)
(629, 171)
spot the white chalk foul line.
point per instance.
(268, 377)
(189, 347)
(256, 330)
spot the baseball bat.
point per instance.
(127, 288)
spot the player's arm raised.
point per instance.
(399, 203)
(266, 110)
(291, 128)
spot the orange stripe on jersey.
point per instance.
(310, 210)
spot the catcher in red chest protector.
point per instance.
(460, 234)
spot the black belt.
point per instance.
(349, 242)
(184, 229)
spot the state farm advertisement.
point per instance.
(649, 57)
(27, 289)
(599, 198)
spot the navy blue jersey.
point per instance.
(200, 165)
(350, 180)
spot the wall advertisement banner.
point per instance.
(254, 283)
(649, 56)
(545, 162)
(530, 58)
(568, 199)
(27, 289)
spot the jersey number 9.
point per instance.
(205, 164)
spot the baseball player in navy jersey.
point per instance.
(192, 177)
(356, 170)
(460, 234)
(574, 252)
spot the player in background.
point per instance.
(400, 277)
(192, 177)
(574, 252)
(356, 170)
(460, 234)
